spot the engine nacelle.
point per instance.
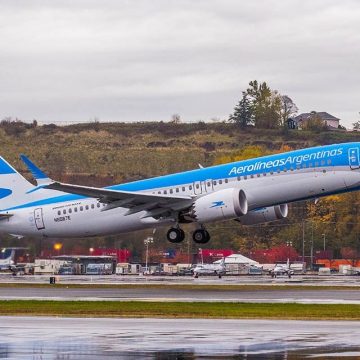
(220, 205)
(264, 215)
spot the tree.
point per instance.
(288, 109)
(175, 119)
(314, 123)
(356, 125)
(265, 104)
(243, 115)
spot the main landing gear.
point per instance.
(176, 235)
(201, 236)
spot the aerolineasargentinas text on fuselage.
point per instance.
(251, 192)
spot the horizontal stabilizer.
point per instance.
(5, 216)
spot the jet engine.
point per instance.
(220, 205)
(264, 215)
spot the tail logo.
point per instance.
(5, 192)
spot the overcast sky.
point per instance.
(136, 60)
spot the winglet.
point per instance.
(40, 177)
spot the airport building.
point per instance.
(76, 265)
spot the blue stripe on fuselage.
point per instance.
(243, 168)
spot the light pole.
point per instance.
(147, 241)
(324, 237)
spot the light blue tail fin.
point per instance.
(13, 186)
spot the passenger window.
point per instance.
(245, 177)
(190, 187)
(59, 212)
(238, 178)
(271, 173)
(81, 208)
(226, 181)
(220, 182)
(252, 176)
(165, 192)
(92, 206)
(98, 205)
(171, 191)
(197, 186)
(208, 184)
(75, 209)
(264, 174)
(329, 161)
(322, 162)
(86, 207)
(64, 211)
(316, 164)
(310, 165)
(183, 188)
(177, 189)
(258, 175)
(159, 192)
(214, 182)
(70, 211)
(304, 166)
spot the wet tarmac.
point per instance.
(81, 338)
(170, 293)
(299, 280)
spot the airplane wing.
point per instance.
(156, 205)
(39, 176)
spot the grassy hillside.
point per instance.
(103, 153)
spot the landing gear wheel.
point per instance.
(201, 236)
(175, 235)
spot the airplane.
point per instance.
(7, 259)
(210, 269)
(8, 262)
(282, 269)
(251, 192)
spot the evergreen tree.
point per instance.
(243, 115)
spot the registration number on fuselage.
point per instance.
(62, 218)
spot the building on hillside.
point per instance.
(329, 120)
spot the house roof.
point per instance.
(323, 114)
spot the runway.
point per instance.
(171, 293)
(81, 338)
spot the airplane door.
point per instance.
(39, 220)
(354, 159)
